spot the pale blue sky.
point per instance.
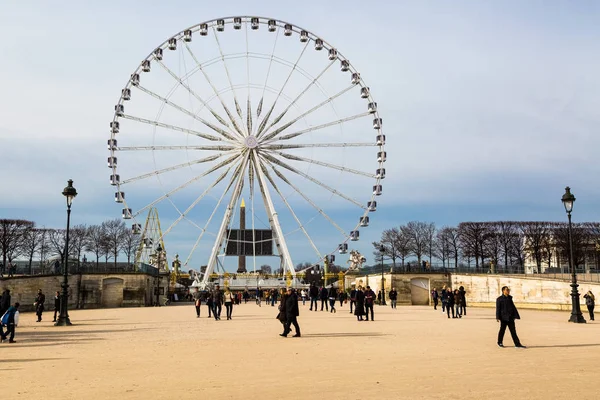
(490, 108)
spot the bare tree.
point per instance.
(12, 232)
(78, 235)
(451, 236)
(536, 234)
(581, 238)
(472, 240)
(416, 232)
(507, 231)
(114, 231)
(31, 244)
(442, 245)
(57, 240)
(44, 248)
(430, 235)
(265, 269)
(390, 242)
(130, 244)
(93, 244)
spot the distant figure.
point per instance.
(444, 296)
(449, 302)
(379, 298)
(435, 297)
(11, 269)
(342, 296)
(332, 298)
(197, 301)
(314, 296)
(57, 267)
(10, 319)
(209, 303)
(590, 302)
(303, 295)
(369, 301)
(323, 296)
(228, 299)
(352, 298)
(1, 269)
(506, 313)
(408, 267)
(463, 296)
(246, 296)
(458, 303)
(39, 305)
(217, 298)
(259, 295)
(393, 297)
(424, 265)
(359, 309)
(56, 304)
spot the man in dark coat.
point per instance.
(217, 299)
(393, 297)
(5, 302)
(506, 313)
(291, 313)
(57, 304)
(359, 309)
(39, 305)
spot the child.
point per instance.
(10, 319)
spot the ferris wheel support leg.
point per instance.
(274, 219)
(226, 219)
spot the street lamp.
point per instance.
(158, 260)
(568, 199)
(63, 319)
(381, 251)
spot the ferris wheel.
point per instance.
(248, 132)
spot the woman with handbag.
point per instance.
(590, 301)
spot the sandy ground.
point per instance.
(407, 353)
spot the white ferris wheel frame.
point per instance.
(242, 141)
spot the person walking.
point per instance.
(259, 295)
(590, 302)
(291, 313)
(56, 304)
(10, 319)
(303, 295)
(342, 297)
(314, 295)
(39, 304)
(359, 304)
(209, 303)
(379, 298)
(449, 302)
(323, 296)
(463, 297)
(246, 296)
(458, 303)
(352, 298)
(5, 302)
(435, 297)
(217, 298)
(197, 297)
(332, 298)
(228, 299)
(393, 297)
(506, 314)
(369, 301)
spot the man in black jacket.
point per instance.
(291, 313)
(323, 296)
(506, 313)
(393, 297)
(39, 305)
(5, 302)
(352, 298)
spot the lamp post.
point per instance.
(568, 199)
(381, 251)
(63, 319)
(158, 260)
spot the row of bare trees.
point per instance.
(500, 243)
(21, 239)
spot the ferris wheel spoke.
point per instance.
(325, 125)
(311, 84)
(174, 168)
(192, 92)
(260, 103)
(186, 184)
(162, 148)
(235, 100)
(208, 221)
(198, 199)
(270, 147)
(216, 92)
(187, 112)
(308, 200)
(315, 108)
(324, 164)
(313, 180)
(172, 127)
(300, 225)
(263, 124)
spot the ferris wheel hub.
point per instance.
(251, 142)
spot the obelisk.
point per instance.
(242, 259)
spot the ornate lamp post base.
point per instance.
(67, 322)
(576, 315)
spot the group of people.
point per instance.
(9, 313)
(363, 300)
(454, 301)
(10, 268)
(215, 300)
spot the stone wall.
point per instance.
(86, 290)
(527, 291)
